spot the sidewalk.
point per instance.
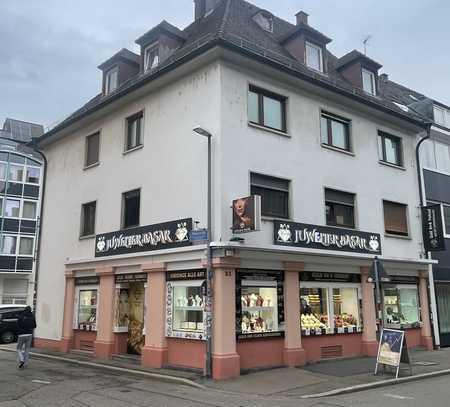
(332, 375)
(311, 380)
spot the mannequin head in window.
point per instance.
(305, 309)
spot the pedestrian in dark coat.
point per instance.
(26, 324)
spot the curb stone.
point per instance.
(382, 383)
(162, 377)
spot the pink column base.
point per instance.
(370, 348)
(103, 350)
(427, 342)
(226, 366)
(154, 357)
(294, 357)
(66, 344)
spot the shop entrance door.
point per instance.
(136, 304)
(443, 308)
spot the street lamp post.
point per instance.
(209, 273)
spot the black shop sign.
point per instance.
(326, 238)
(433, 231)
(131, 278)
(330, 277)
(161, 236)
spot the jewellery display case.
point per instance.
(185, 309)
(86, 309)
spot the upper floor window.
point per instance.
(435, 156)
(134, 131)
(266, 109)
(395, 218)
(151, 57)
(111, 80)
(369, 83)
(390, 148)
(131, 207)
(314, 57)
(32, 175)
(16, 173)
(92, 149)
(441, 116)
(274, 194)
(335, 131)
(29, 210)
(88, 211)
(340, 208)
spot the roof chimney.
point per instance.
(203, 7)
(384, 77)
(302, 18)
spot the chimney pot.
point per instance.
(302, 17)
(384, 77)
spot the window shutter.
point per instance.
(395, 218)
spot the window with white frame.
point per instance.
(3, 171)
(12, 208)
(314, 57)
(29, 210)
(26, 246)
(151, 57)
(1, 206)
(441, 116)
(369, 84)
(435, 156)
(8, 245)
(33, 175)
(15, 173)
(111, 80)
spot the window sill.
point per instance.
(88, 167)
(397, 236)
(133, 149)
(399, 167)
(87, 237)
(272, 218)
(339, 150)
(268, 129)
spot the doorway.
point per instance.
(443, 308)
(136, 303)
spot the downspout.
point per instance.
(423, 203)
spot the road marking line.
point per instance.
(395, 396)
(41, 382)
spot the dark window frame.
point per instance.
(398, 140)
(139, 116)
(282, 99)
(88, 164)
(123, 223)
(83, 232)
(255, 187)
(330, 117)
(391, 232)
(333, 203)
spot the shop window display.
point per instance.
(185, 309)
(259, 304)
(87, 310)
(401, 307)
(329, 309)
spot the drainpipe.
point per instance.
(432, 299)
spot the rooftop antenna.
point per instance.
(366, 42)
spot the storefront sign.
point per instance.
(392, 349)
(404, 280)
(186, 275)
(167, 235)
(330, 277)
(91, 280)
(131, 278)
(433, 231)
(326, 238)
(247, 214)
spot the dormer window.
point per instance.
(151, 57)
(111, 80)
(313, 56)
(264, 20)
(369, 84)
(441, 116)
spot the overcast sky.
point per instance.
(50, 49)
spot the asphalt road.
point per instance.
(48, 383)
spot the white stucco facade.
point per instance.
(170, 169)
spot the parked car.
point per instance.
(9, 315)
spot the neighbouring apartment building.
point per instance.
(20, 182)
(435, 166)
(332, 160)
